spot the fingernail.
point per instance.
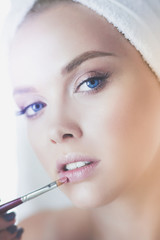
(19, 233)
(12, 229)
(9, 216)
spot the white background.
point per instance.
(20, 171)
(8, 167)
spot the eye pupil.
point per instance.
(37, 106)
(92, 83)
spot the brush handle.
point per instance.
(14, 203)
(9, 205)
(39, 192)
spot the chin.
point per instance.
(88, 197)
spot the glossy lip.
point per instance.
(78, 174)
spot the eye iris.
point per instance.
(92, 83)
(36, 107)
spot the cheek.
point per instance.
(37, 135)
(125, 131)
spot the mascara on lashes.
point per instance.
(101, 78)
(24, 110)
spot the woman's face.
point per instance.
(88, 98)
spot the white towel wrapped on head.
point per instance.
(138, 20)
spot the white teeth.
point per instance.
(71, 166)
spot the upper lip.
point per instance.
(71, 158)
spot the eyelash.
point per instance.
(24, 110)
(102, 80)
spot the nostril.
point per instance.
(67, 135)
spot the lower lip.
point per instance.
(79, 174)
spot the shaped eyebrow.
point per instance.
(84, 57)
(24, 90)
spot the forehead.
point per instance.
(57, 35)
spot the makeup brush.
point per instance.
(16, 202)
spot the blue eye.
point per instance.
(32, 110)
(36, 107)
(93, 84)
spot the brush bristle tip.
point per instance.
(62, 181)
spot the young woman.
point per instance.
(88, 86)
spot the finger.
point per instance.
(7, 220)
(8, 234)
(19, 234)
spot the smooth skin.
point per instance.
(116, 122)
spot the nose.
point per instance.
(62, 134)
(63, 129)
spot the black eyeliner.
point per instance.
(23, 111)
(100, 76)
